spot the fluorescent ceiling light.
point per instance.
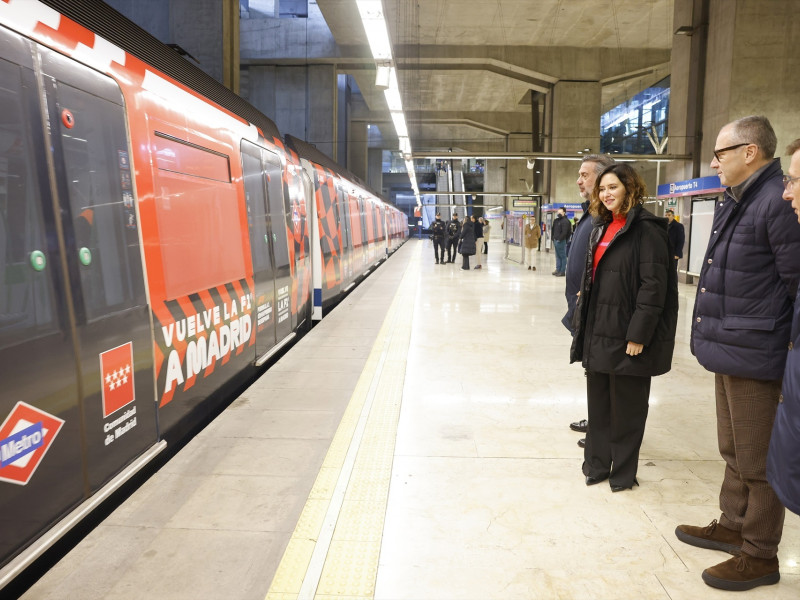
(382, 77)
(375, 28)
(393, 93)
(405, 145)
(400, 124)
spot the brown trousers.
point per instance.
(745, 413)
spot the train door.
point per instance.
(346, 236)
(41, 463)
(103, 259)
(280, 248)
(260, 242)
(267, 225)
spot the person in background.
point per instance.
(486, 229)
(561, 232)
(783, 458)
(453, 230)
(478, 225)
(466, 241)
(591, 166)
(624, 323)
(437, 234)
(677, 235)
(740, 331)
(532, 234)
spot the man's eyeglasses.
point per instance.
(788, 181)
(721, 150)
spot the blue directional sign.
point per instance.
(691, 187)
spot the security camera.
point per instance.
(531, 162)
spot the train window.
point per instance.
(178, 156)
(272, 167)
(256, 208)
(26, 293)
(100, 190)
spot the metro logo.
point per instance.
(25, 437)
(116, 367)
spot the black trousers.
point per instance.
(618, 406)
(452, 244)
(437, 245)
(465, 262)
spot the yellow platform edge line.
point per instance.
(294, 564)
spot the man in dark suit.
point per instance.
(676, 234)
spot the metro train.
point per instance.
(159, 242)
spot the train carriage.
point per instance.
(157, 244)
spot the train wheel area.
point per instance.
(416, 444)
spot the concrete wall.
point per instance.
(576, 125)
(195, 25)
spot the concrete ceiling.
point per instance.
(485, 57)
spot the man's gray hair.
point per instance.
(601, 161)
(756, 130)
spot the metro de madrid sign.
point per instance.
(25, 437)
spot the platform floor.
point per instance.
(415, 446)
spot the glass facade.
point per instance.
(625, 128)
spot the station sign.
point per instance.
(691, 187)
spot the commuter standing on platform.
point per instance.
(625, 323)
(466, 241)
(478, 240)
(532, 233)
(740, 331)
(438, 233)
(453, 230)
(561, 232)
(783, 459)
(486, 229)
(591, 166)
(677, 235)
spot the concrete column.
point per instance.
(357, 149)
(375, 169)
(321, 111)
(750, 63)
(576, 125)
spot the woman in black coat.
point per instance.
(624, 323)
(466, 243)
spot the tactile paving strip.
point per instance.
(334, 550)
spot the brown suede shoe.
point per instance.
(743, 572)
(713, 537)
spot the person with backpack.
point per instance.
(437, 234)
(453, 233)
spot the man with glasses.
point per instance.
(740, 332)
(783, 460)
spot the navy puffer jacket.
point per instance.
(783, 460)
(743, 311)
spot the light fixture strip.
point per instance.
(374, 22)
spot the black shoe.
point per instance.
(620, 488)
(594, 480)
(582, 442)
(437, 262)
(580, 426)
(561, 274)
(554, 273)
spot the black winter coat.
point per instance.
(562, 229)
(745, 295)
(467, 238)
(634, 297)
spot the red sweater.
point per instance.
(616, 224)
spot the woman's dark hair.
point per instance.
(635, 191)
